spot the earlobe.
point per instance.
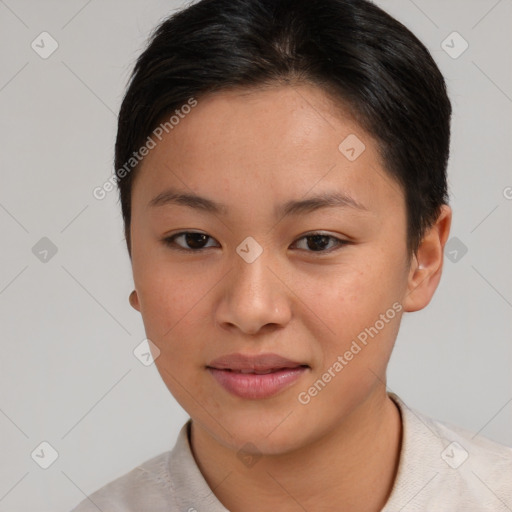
(134, 300)
(427, 264)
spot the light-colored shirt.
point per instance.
(441, 469)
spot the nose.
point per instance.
(254, 298)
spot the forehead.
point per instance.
(274, 144)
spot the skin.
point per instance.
(253, 150)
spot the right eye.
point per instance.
(193, 242)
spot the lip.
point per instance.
(264, 375)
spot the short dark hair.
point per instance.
(352, 49)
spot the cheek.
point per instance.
(172, 313)
(350, 304)
(170, 300)
(346, 297)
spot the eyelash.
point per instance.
(169, 241)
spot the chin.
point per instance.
(263, 434)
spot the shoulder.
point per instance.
(445, 467)
(169, 482)
(147, 484)
(461, 446)
(481, 449)
(487, 461)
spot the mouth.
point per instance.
(256, 377)
(260, 372)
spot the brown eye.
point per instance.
(318, 242)
(190, 241)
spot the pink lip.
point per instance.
(282, 373)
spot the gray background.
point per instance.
(68, 375)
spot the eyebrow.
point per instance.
(292, 207)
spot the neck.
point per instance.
(350, 469)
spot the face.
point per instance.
(306, 283)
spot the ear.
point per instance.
(427, 263)
(134, 300)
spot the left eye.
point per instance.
(195, 242)
(318, 241)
